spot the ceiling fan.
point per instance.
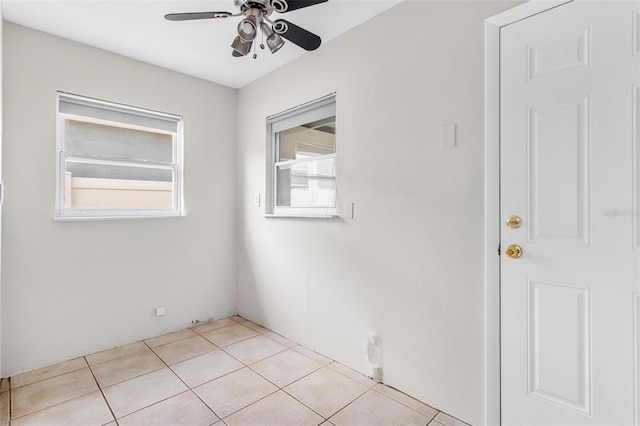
(256, 17)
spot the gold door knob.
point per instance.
(514, 222)
(514, 251)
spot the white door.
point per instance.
(570, 169)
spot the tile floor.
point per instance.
(228, 372)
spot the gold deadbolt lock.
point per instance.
(513, 251)
(514, 222)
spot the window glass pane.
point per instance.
(310, 183)
(90, 185)
(312, 139)
(117, 142)
(106, 171)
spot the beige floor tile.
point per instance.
(280, 339)
(313, 355)
(405, 399)
(276, 409)
(4, 385)
(214, 325)
(234, 391)
(183, 409)
(4, 407)
(272, 335)
(47, 372)
(46, 393)
(254, 349)
(375, 409)
(325, 391)
(229, 335)
(126, 367)
(204, 368)
(352, 374)
(285, 368)
(184, 349)
(90, 409)
(171, 337)
(255, 327)
(135, 394)
(237, 318)
(114, 353)
(448, 420)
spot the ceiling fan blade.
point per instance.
(297, 35)
(196, 15)
(298, 4)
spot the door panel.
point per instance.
(558, 139)
(560, 54)
(559, 327)
(569, 101)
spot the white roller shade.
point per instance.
(101, 110)
(307, 113)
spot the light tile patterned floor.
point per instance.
(229, 372)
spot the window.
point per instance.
(302, 176)
(117, 161)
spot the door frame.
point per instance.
(492, 361)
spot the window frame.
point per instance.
(133, 114)
(323, 107)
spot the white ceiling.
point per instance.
(137, 29)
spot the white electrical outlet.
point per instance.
(256, 200)
(160, 310)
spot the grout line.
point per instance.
(206, 405)
(254, 402)
(288, 384)
(65, 401)
(400, 402)
(104, 397)
(305, 405)
(113, 359)
(343, 408)
(215, 348)
(54, 376)
(172, 341)
(351, 378)
(151, 405)
(189, 388)
(193, 328)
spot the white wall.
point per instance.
(410, 264)
(121, 269)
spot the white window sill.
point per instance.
(302, 215)
(123, 217)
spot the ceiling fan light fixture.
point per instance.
(248, 28)
(274, 41)
(241, 46)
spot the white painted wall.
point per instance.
(72, 288)
(410, 264)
